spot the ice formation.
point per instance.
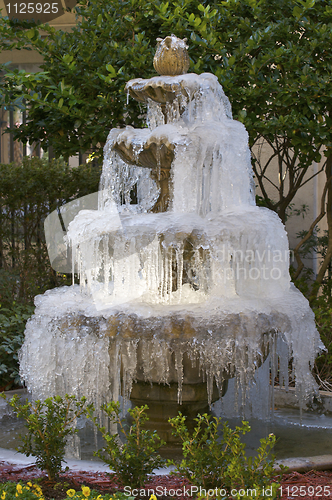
(177, 262)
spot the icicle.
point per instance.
(179, 268)
(179, 370)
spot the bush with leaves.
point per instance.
(211, 461)
(322, 308)
(48, 424)
(28, 193)
(12, 325)
(137, 457)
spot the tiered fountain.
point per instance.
(184, 282)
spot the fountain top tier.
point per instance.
(192, 157)
(197, 155)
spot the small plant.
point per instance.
(29, 491)
(49, 423)
(87, 494)
(133, 460)
(211, 462)
(12, 324)
(20, 491)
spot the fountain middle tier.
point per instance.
(173, 258)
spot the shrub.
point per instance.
(12, 325)
(48, 424)
(137, 457)
(322, 308)
(213, 462)
(29, 192)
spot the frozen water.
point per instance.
(206, 279)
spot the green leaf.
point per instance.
(297, 11)
(111, 70)
(30, 34)
(67, 58)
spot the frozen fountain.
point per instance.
(184, 282)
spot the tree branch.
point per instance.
(300, 264)
(328, 255)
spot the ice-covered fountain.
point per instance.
(184, 282)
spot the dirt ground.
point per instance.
(312, 485)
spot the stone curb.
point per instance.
(304, 464)
(287, 399)
(14, 458)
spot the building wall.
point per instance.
(28, 60)
(308, 196)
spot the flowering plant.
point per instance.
(20, 491)
(29, 491)
(87, 494)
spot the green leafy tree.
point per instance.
(270, 56)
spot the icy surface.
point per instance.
(205, 280)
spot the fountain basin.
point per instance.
(79, 349)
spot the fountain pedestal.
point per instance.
(163, 404)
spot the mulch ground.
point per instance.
(312, 485)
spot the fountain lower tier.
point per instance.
(79, 349)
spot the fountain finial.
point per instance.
(171, 56)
